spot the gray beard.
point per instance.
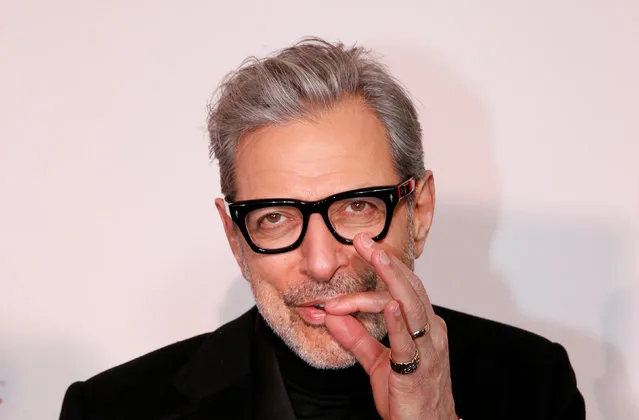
(330, 355)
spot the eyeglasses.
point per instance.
(273, 226)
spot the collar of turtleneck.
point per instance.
(322, 393)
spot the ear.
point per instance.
(424, 210)
(231, 235)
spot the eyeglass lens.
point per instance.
(281, 226)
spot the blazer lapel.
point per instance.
(217, 379)
(271, 399)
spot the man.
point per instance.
(327, 204)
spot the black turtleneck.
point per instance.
(327, 394)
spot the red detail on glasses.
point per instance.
(406, 188)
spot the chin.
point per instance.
(314, 344)
(317, 347)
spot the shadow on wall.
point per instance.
(7, 373)
(612, 388)
(457, 266)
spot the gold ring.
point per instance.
(404, 368)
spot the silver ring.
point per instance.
(420, 333)
(404, 368)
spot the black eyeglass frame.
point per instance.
(390, 195)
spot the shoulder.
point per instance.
(470, 330)
(478, 339)
(489, 359)
(126, 386)
(147, 380)
(162, 364)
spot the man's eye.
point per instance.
(357, 206)
(273, 217)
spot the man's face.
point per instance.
(338, 150)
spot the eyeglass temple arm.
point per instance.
(228, 208)
(406, 188)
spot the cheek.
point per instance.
(398, 233)
(278, 270)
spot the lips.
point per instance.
(317, 304)
(312, 315)
(312, 312)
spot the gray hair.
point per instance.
(295, 83)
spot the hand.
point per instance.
(425, 393)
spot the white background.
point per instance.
(110, 245)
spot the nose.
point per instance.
(322, 254)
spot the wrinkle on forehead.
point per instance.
(346, 148)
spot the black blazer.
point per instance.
(498, 372)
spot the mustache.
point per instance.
(339, 284)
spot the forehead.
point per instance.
(340, 149)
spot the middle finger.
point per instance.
(370, 255)
(394, 273)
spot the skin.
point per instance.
(341, 149)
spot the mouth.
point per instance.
(312, 312)
(317, 304)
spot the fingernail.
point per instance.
(383, 257)
(367, 241)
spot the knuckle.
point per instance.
(381, 300)
(406, 348)
(440, 340)
(441, 344)
(442, 325)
